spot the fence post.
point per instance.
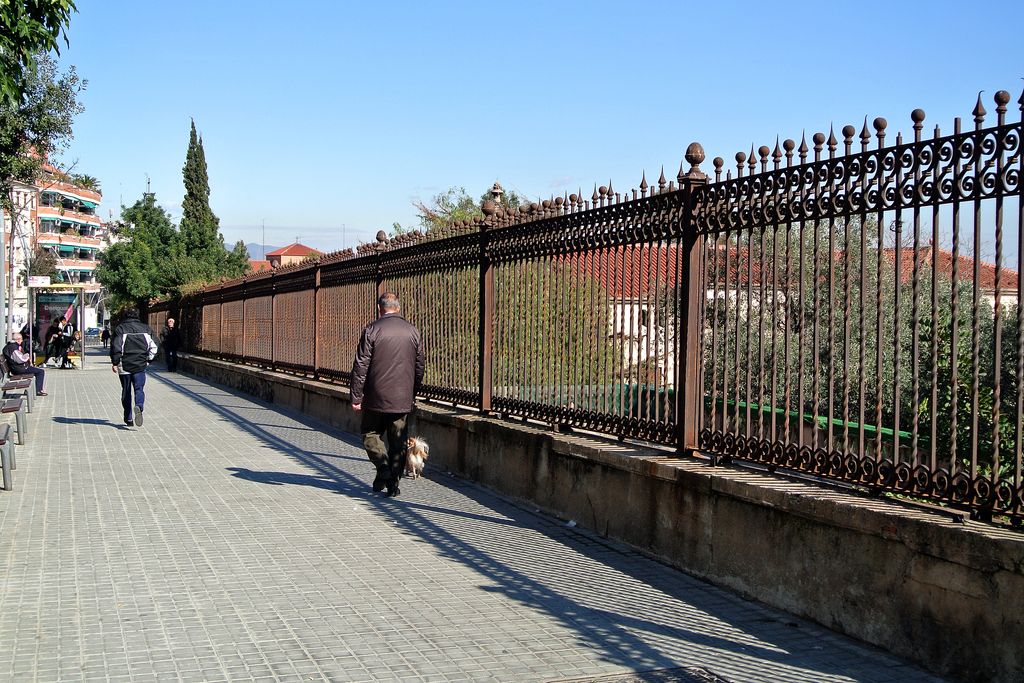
(220, 320)
(245, 297)
(194, 336)
(689, 376)
(273, 321)
(486, 309)
(316, 324)
(382, 239)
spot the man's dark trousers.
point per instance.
(132, 392)
(171, 356)
(389, 456)
(39, 374)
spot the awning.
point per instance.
(88, 205)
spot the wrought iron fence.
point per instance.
(849, 309)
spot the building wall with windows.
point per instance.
(57, 215)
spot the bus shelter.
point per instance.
(49, 302)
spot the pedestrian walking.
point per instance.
(131, 351)
(386, 375)
(20, 362)
(105, 335)
(170, 338)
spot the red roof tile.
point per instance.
(964, 268)
(632, 272)
(294, 250)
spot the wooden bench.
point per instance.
(7, 461)
(17, 385)
(5, 367)
(16, 406)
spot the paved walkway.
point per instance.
(227, 540)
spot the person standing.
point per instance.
(26, 336)
(105, 335)
(386, 375)
(170, 337)
(20, 362)
(131, 351)
(52, 343)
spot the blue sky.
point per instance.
(326, 120)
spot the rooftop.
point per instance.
(295, 249)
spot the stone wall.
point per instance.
(947, 594)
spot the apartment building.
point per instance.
(60, 216)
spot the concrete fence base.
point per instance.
(946, 594)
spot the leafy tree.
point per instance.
(37, 124)
(43, 263)
(552, 321)
(507, 199)
(129, 273)
(143, 264)
(455, 204)
(238, 259)
(552, 341)
(87, 182)
(156, 259)
(199, 225)
(835, 345)
(205, 257)
(28, 28)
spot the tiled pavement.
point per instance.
(229, 540)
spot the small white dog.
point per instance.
(416, 453)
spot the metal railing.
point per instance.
(848, 309)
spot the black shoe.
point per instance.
(130, 423)
(379, 482)
(393, 489)
(138, 416)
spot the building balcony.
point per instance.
(85, 279)
(55, 213)
(52, 239)
(77, 264)
(69, 190)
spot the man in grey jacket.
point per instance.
(386, 375)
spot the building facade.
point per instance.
(60, 216)
(292, 254)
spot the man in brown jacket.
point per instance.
(386, 375)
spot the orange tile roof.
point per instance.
(964, 265)
(257, 265)
(294, 250)
(629, 272)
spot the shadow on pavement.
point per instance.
(282, 478)
(595, 614)
(87, 421)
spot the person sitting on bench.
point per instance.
(68, 346)
(21, 363)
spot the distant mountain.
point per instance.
(256, 251)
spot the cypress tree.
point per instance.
(202, 242)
